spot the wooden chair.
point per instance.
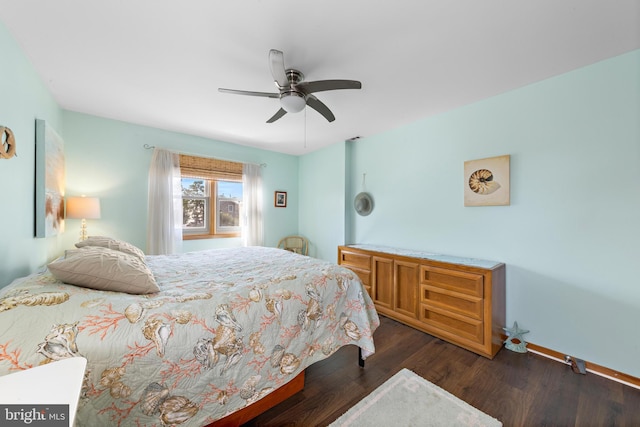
(297, 244)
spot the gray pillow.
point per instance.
(111, 243)
(106, 270)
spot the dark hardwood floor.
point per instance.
(518, 389)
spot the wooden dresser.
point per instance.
(461, 300)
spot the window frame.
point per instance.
(212, 230)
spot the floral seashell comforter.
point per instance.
(228, 327)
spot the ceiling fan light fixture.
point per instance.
(293, 102)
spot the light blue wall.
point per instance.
(106, 158)
(570, 238)
(322, 200)
(23, 98)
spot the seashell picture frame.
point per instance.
(486, 181)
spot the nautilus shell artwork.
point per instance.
(487, 182)
(481, 182)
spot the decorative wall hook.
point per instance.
(7, 143)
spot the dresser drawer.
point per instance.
(460, 326)
(466, 305)
(364, 275)
(365, 278)
(357, 260)
(458, 281)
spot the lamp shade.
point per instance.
(83, 207)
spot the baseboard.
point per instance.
(590, 367)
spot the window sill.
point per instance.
(209, 236)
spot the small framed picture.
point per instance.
(280, 199)
(487, 181)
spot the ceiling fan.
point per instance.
(294, 93)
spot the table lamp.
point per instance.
(83, 208)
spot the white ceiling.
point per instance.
(160, 62)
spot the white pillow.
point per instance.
(111, 243)
(106, 270)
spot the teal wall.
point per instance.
(106, 158)
(322, 200)
(570, 238)
(23, 99)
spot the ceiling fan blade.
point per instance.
(250, 93)
(323, 85)
(317, 105)
(281, 112)
(276, 63)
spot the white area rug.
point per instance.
(407, 399)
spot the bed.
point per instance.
(227, 328)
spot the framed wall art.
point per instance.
(49, 181)
(486, 181)
(280, 199)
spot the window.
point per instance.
(211, 197)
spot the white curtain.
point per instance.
(252, 231)
(164, 228)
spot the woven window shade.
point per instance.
(208, 168)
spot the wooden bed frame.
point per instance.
(256, 408)
(269, 401)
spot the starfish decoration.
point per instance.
(515, 333)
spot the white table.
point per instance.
(55, 383)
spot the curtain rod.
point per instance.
(150, 147)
